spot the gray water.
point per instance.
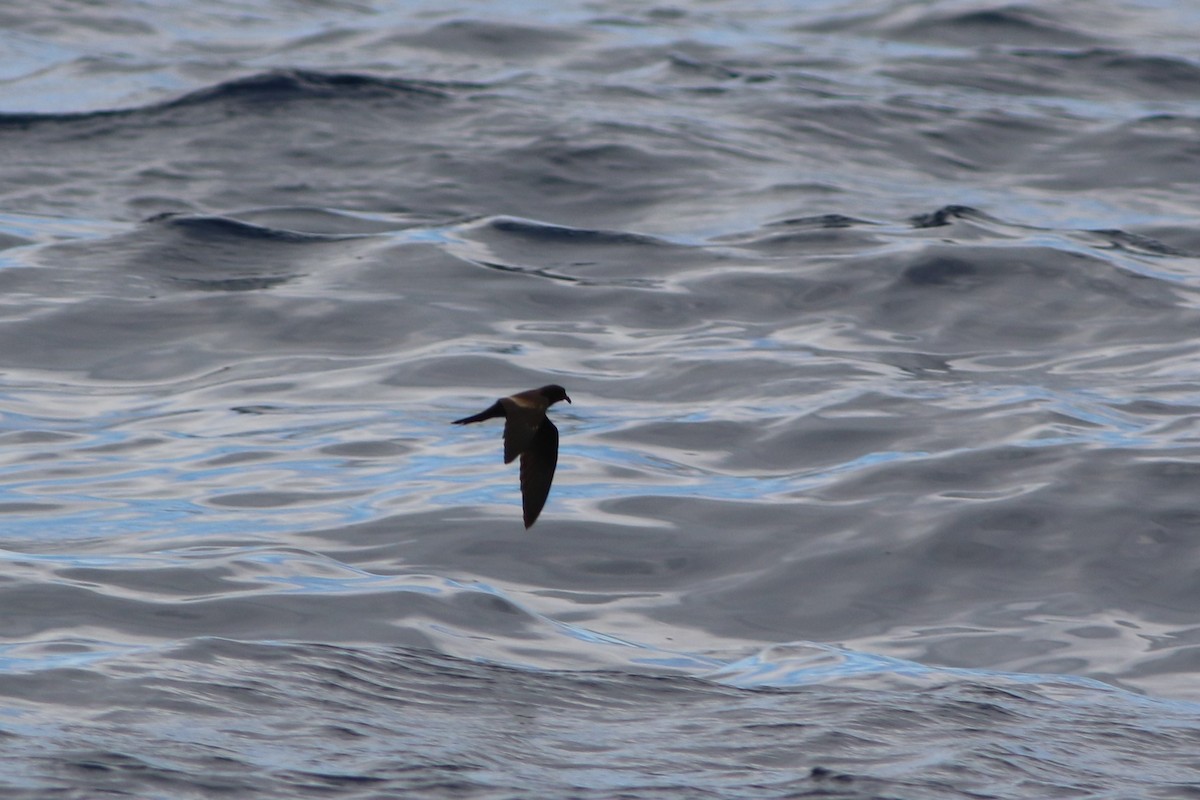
(880, 322)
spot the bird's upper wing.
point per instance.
(538, 463)
(496, 409)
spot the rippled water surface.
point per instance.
(881, 325)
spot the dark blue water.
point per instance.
(882, 327)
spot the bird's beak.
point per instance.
(567, 399)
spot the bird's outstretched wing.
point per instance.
(538, 463)
(496, 409)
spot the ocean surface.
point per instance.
(882, 325)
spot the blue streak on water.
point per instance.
(1146, 264)
(42, 229)
(821, 663)
(647, 655)
(18, 657)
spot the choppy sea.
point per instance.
(882, 325)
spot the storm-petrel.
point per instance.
(530, 434)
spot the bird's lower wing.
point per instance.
(538, 463)
(521, 429)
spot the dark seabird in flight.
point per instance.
(530, 434)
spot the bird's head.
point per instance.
(553, 393)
